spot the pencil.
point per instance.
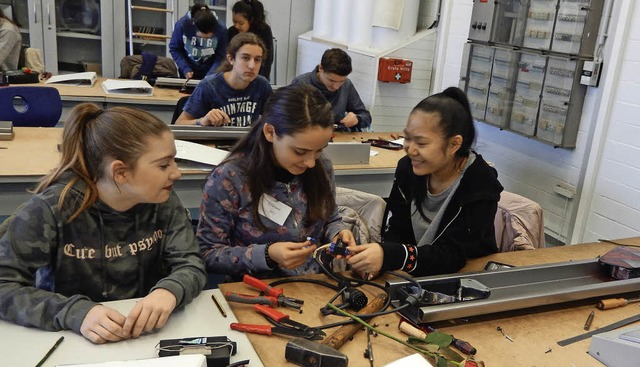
(46, 356)
(215, 300)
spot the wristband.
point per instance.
(198, 122)
(271, 264)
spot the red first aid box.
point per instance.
(394, 70)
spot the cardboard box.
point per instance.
(92, 66)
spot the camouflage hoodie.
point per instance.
(53, 272)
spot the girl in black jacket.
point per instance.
(444, 197)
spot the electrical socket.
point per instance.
(565, 190)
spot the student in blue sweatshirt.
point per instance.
(234, 96)
(104, 225)
(198, 43)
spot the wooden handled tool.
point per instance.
(340, 336)
(307, 353)
(610, 303)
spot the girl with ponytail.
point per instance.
(103, 225)
(444, 198)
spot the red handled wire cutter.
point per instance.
(273, 297)
(281, 324)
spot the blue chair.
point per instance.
(37, 106)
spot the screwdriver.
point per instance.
(459, 344)
(609, 303)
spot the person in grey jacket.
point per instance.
(273, 192)
(104, 225)
(10, 43)
(330, 78)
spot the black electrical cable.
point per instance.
(352, 282)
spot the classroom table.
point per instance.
(22, 346)
(33, 152)
(162, 103)
(534, 331)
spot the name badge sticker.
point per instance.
(274, 210)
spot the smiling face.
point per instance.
(240, 22)
(151, 179)
(247, 62)
(430, 152)
(298, 152)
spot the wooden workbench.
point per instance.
(33, 152)
(534, 331)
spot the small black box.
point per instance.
(217, 349)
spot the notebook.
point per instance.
(132, 87)
(86, 79)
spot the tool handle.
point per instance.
(411, 330)
(340, 336)
(609, 303)
(259, 284)
(250, 328)
(461, 345)
(464, 346)
(245, 298)
(270, 312)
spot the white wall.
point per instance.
(394, 101)
(611, 205)
(532, 169)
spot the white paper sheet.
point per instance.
(199, 153)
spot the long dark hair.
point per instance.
(290, 110)
(203, 18)
(91, 136)
(253, 10)
(452, 105)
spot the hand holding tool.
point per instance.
(610, 303)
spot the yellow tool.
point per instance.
(610, 303)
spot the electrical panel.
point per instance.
(524, 62)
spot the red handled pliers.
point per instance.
(282, 324)
(273, 297)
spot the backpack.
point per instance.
(147, 66)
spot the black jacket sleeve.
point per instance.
(467, 229)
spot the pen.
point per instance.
(215, 300)
(587, 324)
(46, 356)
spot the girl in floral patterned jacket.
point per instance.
(272, 200)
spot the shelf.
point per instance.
(148, 42)
(67, 34)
